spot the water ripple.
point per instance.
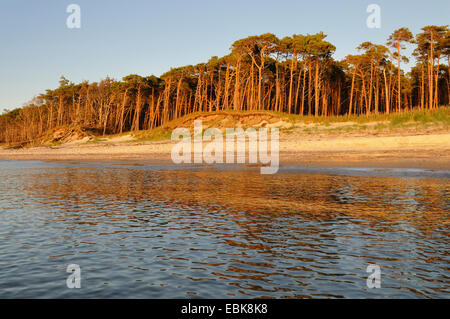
(146, 232)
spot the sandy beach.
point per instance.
(430, 151)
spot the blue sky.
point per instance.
(119, 37)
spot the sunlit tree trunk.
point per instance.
(316, 89)
(386, 93)
(351, 93)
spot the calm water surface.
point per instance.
(170, 232)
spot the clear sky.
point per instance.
(145, 37)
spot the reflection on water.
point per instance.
(146, 232)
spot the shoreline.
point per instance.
(421, 151)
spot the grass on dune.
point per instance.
(440, 116)
(157, 134)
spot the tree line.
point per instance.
(296, 74)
